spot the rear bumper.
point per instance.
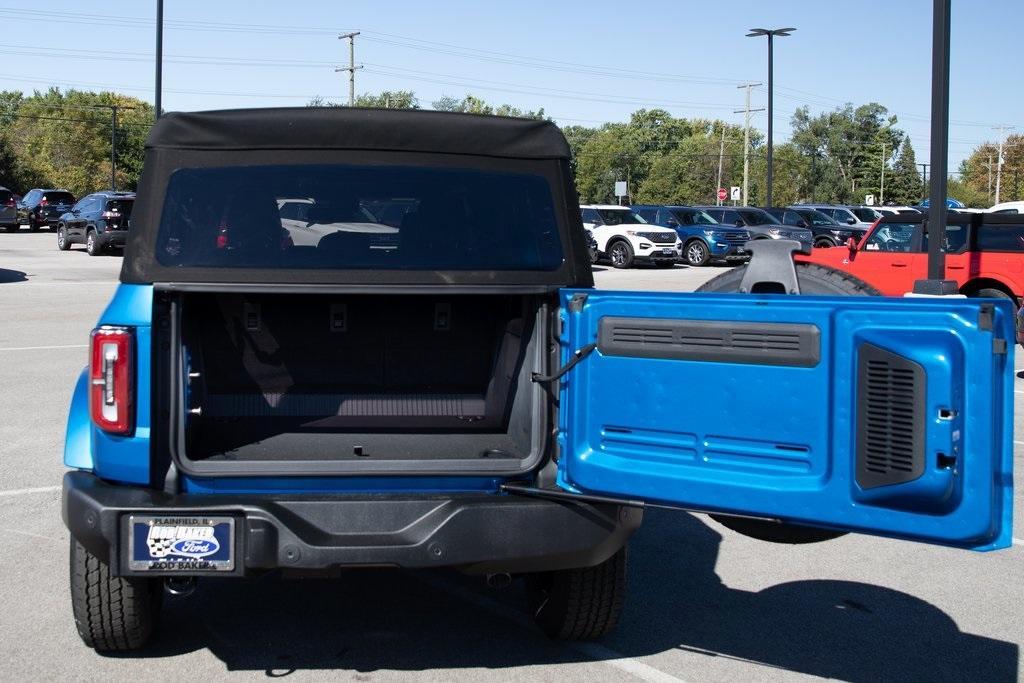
(114, 238)
(476, 532)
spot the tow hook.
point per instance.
(183, 585)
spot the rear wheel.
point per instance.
(111, 613)
(92, 244)
(696, 253)
(991, 293)
(620, 254)
(812, 279)
(579, 604)
(63, 243)
(824, 243)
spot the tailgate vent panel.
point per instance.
(723, 341)
(890, 418)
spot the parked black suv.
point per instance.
(828, 232)
(43, 207)
(8, 210)
(99, 221)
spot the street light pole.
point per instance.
(771, 33)
(159, 54)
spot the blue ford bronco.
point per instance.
(370, 338)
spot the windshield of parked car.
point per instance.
(619, 217)
(341, 216)
(867, 215)
(815, 217)
(693, 217)
(758, 217)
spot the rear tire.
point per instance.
(63, 243)
(824, 243)
(112, 613)
(813, 279)
(92, 244)
(620, 253)
(579, 604)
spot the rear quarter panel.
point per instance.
(118, 458)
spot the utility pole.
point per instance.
(881, 189)
(924, 173)
(113, 147)
(747, 111)
(999, 158)
(351, 68)
(990, 176)
(721, 158)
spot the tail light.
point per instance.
(111, 378)
(222, 236)
(10, 202)
(110, 214)
(43, 202)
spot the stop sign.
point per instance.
(722, 194)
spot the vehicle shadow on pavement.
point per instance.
(407, 621)
(8, 275)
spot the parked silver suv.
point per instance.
(760, 223)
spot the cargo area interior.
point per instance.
(377, 380)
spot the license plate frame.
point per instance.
(181, 543)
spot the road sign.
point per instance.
(869, 199)
(722, 194)
(734, 193)
(620, 188)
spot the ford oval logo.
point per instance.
(195, 548)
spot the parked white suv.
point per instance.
(624, 238)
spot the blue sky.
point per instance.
(584, 62)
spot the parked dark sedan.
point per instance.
(99, 221)
(42, 207)
(828, 232)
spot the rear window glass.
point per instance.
(955, 239)
(5, 195)
(341, 216)
(121, 206)
(1001, 237)
(60, 197)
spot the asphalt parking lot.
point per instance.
(705, 603)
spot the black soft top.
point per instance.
(354, 136)
(344, 128)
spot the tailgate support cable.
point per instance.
(577, 356)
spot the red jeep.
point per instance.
(984, 254)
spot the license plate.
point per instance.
(741, 250)
(185, 544)
(668, 252)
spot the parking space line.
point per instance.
(43, 348)
(24, 492)
(598, 653)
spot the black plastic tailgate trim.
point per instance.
(724, 341)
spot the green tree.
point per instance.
(904, 185)
(846, 146)
(975, 170)
(63, 138)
